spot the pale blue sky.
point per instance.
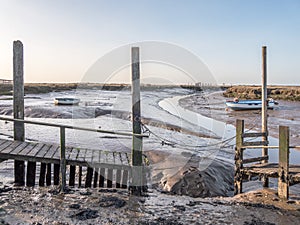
(62, 39)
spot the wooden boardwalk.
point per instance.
(271, 170)
(103, 168)
(46, 153)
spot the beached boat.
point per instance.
(249, 104)
(66, 101)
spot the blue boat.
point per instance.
(249, 104)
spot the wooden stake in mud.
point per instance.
(264, 110)
(18, 94)
(137, 142)
(238, 177)
(283, 169)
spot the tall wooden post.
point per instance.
(264, 110)
(18, 94)
(238, 176)
(283, 170)
(137, 142)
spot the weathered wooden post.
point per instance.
(238, 177)
(18, 94)
(62, 159)
(264, 110)
(283, 170)
(137, 142)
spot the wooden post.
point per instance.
(18, 102)
(238, 176)
(102, 177)
(42, 174)
(96, 176)
(30, 176)
(80, 176)
(137, 142)
(109, 178)
(264, 110)
(89, 177)
(118, 178)
(62, 159)
(283, 170)
(72, 175)
(56, 174)
(124, 179)
(48, 174)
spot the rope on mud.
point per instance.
(221, 144)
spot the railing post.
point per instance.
(62, 159)
(238, 176)
(283, 169)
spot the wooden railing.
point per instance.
(63, 140)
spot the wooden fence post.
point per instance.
(238, 176)
(18, 106)
(264, 110)
(137, 142)
(62, 158)
(283, 169)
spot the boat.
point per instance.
(66, 101)
(237, 104)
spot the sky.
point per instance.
(64, 38)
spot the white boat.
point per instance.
(249, 104)
(66, 101)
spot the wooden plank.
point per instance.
(81, 155)
(42, 174)
(42, 152)
(257, 134)
(5, 146)
(56, 174)
(73, 154)
(24, 151)
(48, 174)
(7, 149)
(30, 176)
(51, 151)
(238, 177)
(283, 169)
(254, 143)
(88, 155)
(256, 159)
(35, 151)
(2, 141)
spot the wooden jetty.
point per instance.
(246, 168)
(128, 170)
(103, 168)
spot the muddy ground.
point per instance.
(84, 206)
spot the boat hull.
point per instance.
(66, 101)
(247, 105)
